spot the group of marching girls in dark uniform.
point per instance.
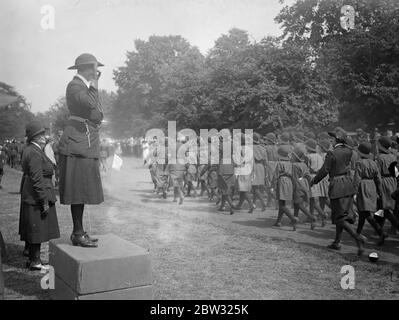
(298, 174)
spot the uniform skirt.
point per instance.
(226, 184)
(177, 178)
(366, 198)
(269, 172)
(213, 179)
(80, 181)
(342, 210)
(285, 190)
(259, 174)
(35, 228)
(388, 185)
(319, 190)
(244, 183)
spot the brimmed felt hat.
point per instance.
(271, 137)
(339, 134)
(364, 150)
(299, 153)
(33, 129)
(284, 152)
(324, 136)
(256, 138)
(298, 137)
(311, 145)
(384, 143)
(310, 135)
(85, 59)
(325, 145)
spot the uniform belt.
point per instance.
(85, 121)
(341, 174)
(386, 176)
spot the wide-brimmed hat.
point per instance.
(323, 136)
(325, 145)
(33, 129)
(284, 152)
(271, 137)
(339, 134)
(311, 145)
(384, 143)
(85, 59)
(310, 135)
(298, 137)
(299, 153)
(256, 138)
(364, 150)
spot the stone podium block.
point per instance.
(117, 269)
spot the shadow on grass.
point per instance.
(21, 282)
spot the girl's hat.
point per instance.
(284, 152)
(299, 154)
(271, 138)
(256, 137)
(384, 143)
(310, 135)
(364, 150)
(325, 145)
(311, 145)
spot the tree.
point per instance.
(361, 65)
(15, 116)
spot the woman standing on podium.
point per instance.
(79, 147)
(38, 217)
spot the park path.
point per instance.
(199, 253)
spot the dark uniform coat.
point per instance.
(388, 182)
(79, 147)
(341, 190)
(226, 178)
(367, 182)
(36, 190)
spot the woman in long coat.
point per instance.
(79, 147)
(38, 216)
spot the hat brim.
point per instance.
(36, 133)
(364, 155)
(75, 67)
(382, 148)
(311, 149)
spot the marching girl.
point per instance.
(315, 162)
(367, 182)
(258, 182)
(270, 167)
(300, 181)
(324, 146)
(385, 159)
(282, 181)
